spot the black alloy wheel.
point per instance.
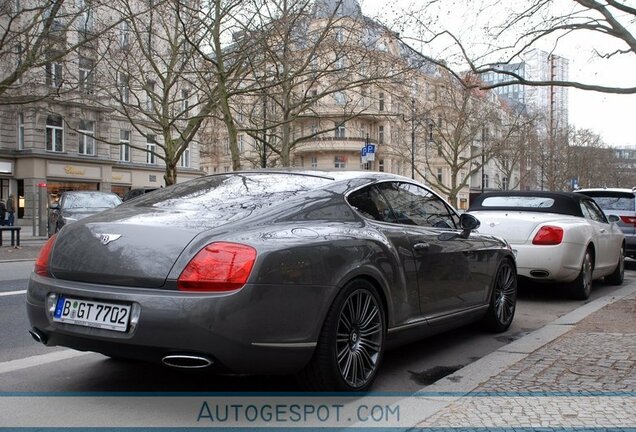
(503, 300)
(359, 338)
(351, 343)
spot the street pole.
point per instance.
(483, 162)
(413, 138)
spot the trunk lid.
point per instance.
(515, 227)
(133, 251)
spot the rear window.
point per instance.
(623, 201)
(230, 196)
(518, 201)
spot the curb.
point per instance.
(471, 376)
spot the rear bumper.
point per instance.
(560, 263)
(256, 330)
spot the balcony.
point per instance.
(333, 144)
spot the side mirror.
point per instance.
(468, 223)
(613, 218)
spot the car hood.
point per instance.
(132, 248)
(516, 227)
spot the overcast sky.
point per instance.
(611, 116)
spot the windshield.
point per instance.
(90, 200)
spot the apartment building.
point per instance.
(62, 122)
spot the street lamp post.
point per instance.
(413, 138)
(483, 161)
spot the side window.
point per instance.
(414, 205)
(371, 204)
(593, 211)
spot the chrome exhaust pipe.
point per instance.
(186, 361)
(38, 336)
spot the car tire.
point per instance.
(581, 287)
(351, 344)
(503, 298)
(618, 275)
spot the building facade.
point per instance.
(59, 130)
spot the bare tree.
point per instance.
(591, 162)
(317, 69)
(464, 123)
(152, 74)
(529, 24)
(39, 40)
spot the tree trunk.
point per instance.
(170, 176)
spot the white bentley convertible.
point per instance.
(556, 236)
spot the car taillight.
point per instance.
(548, 235)
(42, 263)
(218, 267)
(629, 220)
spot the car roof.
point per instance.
(567, 203)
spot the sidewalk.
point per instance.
(577, 372)
(29, 246)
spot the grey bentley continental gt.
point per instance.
(267, 272)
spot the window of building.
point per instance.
(314, 130)
(380, 134)
(440, 122)
(86, 82)
(151, 149)
(53, 70)
(85, 22)
(381, 165)
(124, 87)
(339, 162)
(314, 162)
(504, 183)
(381, 101)
(184, 162)
(340, 130)
(339, 35)
(486, 181)
(185, 101)
(340, 62)
(20, 131)
(440, 175)
(340, 98)
(226, 146)
(54, 133)
(241, 143)
(124, 145)
(86, 137)
(124, 34)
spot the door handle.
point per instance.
(422, 246)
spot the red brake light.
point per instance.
(218, 267)
(629, 220)
(42, 263)
(548, 235)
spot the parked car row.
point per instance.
(312, 273)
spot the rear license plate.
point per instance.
(90, 313)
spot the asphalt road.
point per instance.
(26, 366)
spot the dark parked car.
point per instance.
(620, 202)
(75, 205)
(271, 272)
(134, 193)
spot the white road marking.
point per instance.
(39, 360)
(8, 293)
